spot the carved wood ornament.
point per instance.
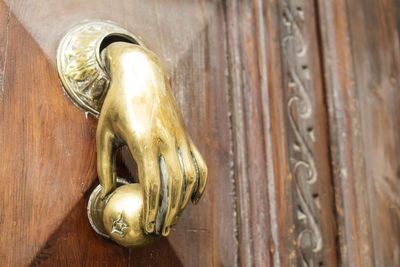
(308, 238)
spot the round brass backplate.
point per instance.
(79, 66)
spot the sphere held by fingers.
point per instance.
(122, 217)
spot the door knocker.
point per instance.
(109, 73)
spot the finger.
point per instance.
(162, 209)
(201, 174)
(175, 185)
(149, 178)
(189, 174)
(105, 158)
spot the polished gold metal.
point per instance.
(140, 112)
(79, 67)
(119, 215)
(122, 217)
(95, 208)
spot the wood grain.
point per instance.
(248, 145)
(4, 26)
(269, 142)
(361, 66)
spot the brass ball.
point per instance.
(123, 215)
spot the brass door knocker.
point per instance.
(108, 72)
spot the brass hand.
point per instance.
(139, 111)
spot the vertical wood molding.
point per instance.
(254, 172)
(5, 15)
(279, 126)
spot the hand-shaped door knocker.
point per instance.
(108, 72)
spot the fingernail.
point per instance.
(196, 200)
(150, 227)
(166, 231)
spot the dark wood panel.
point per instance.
(46, 166)
(361, 61)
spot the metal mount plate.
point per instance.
(79, 66)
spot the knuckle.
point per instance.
(191, 173)
(203, 171)
(178, 178)
(191, 177)
(189, 164)
(174, 210)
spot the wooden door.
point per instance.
(292, 103)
